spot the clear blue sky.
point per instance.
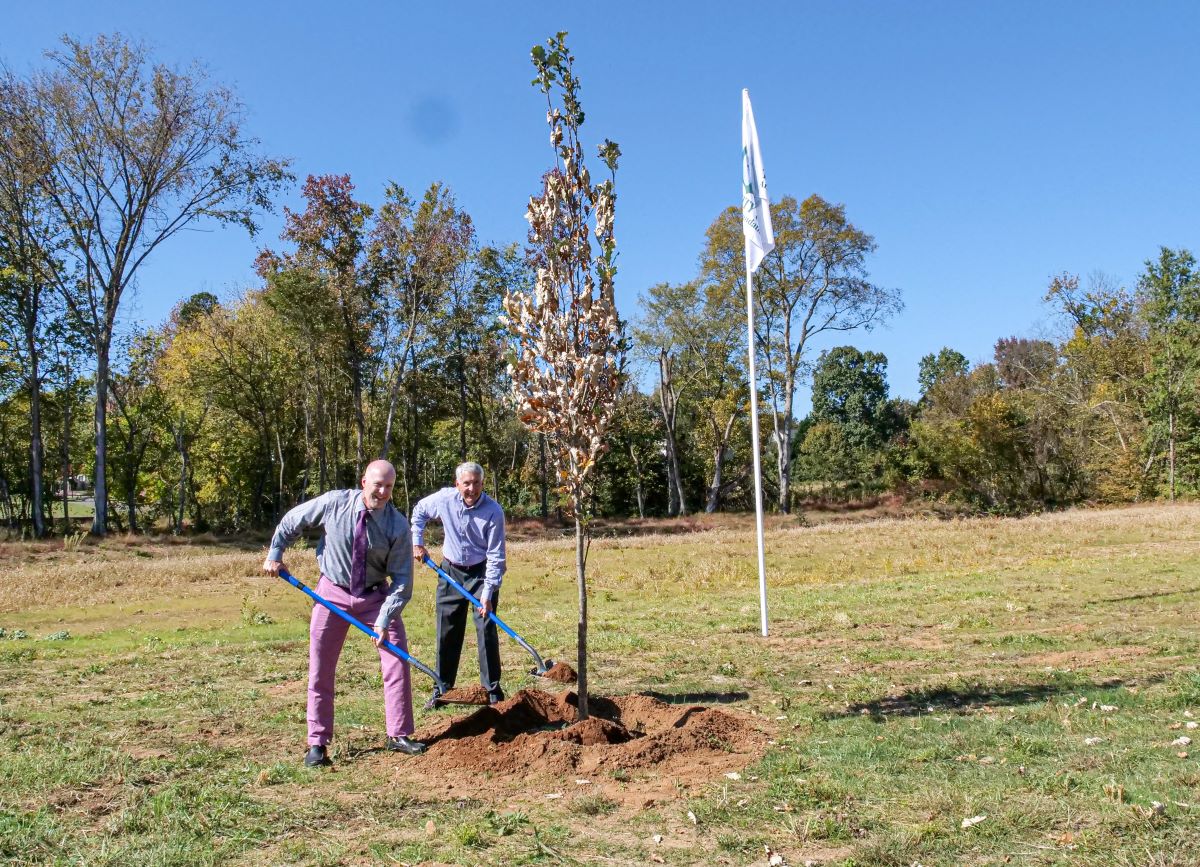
(986, 146)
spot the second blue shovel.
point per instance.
(542, 665)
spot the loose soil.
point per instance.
(534, 735)
(466, 695)
(561, 672)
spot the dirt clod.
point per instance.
(561, 672)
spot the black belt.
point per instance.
(462, 568)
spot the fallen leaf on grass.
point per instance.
(1107, 708)
(973, 821)
(692, 816)
(657, 838)
(733, 775)
(583, 782)
(1091, 742)
(1192, 725)
(1182, 755)
(1181, 741)
(656, 858)
(774, 859)
(554, 795)
(430, 828)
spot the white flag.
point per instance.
(756, 207)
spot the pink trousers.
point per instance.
(327, 634)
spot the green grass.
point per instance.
(918, 673)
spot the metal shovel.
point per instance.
(542, 665)
(354, 621)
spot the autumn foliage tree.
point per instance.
(569, 353)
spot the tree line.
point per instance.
(377, 329)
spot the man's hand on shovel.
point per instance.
(272, 567)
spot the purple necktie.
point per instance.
(358, 556)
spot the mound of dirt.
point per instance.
(562, 673)
(466, 695)
(535, 733)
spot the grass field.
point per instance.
(985, 691)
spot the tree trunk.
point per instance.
(66, 455)
(581, 572)
(181, 447)
(35, 435)
(100, 488)
(714, 490)
(1171, 455)
(783, 452)
(637, 470)
(131, 481)
(668, 405)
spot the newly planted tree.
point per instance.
(569, 353)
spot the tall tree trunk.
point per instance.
(279, 490)
(100, 489)
(1171, 454)
(723, 437)
(181, 447)
(637, 470)
(65, 454)
(581, 658)
(668, 405)
(783, 455)
(36, 452)
(714, 490)
(131, 465)
(322, 454)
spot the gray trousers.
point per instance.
(452, 626)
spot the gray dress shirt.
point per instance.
(389, 545)
(473, 534)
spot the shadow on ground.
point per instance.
(697, 697)
(945, 699)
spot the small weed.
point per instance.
(506, 824)
(592, 805)
(471, 835)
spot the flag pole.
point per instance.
(758, 499)
(760, 240)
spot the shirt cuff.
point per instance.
(485, 594)
(275, 554)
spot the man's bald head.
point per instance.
(378, 479)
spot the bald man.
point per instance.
(365, 555)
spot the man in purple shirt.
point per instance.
(473, 554)
(365, 570)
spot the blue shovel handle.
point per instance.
(354, 621)
(463, 591)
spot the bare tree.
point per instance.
(132, 152)
(815, 282)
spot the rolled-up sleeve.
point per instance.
(423, 511)
(295, 522)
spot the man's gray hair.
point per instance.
(468, 468)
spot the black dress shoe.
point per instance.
(405, 745)
(316, 757)
(496, 699)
